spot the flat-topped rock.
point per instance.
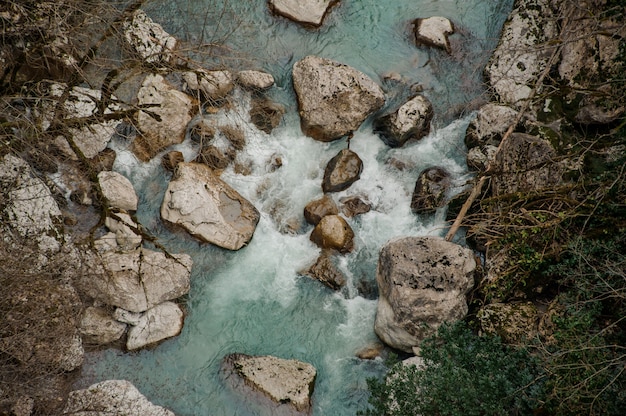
(306, 12)
(433, 31)
(163, 321)
(254, 80)
(333, 98)
(208, 208)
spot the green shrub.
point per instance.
(464, 375)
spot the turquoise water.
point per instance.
(254, 301)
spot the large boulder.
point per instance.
(163, 321)
(111, 397)
(422, 283)
(333, 232)
(165, 118)
(139, 279)
(525, 163)
(334, 99)
(342, 171)
(288, 384)
(410, 121)
(117, 190)
(433, 31)
(208, 208)
(523, 51)
(148, 39)
(431, 190)
(306, 12)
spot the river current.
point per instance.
(254, 301)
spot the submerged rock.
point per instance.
(288, 384)
(433, 31)
(164, 121)
(422, 283)
(208, 208)
(410, 121)
(307, 12)
(333, 98)
(342, 171)
(111, 397)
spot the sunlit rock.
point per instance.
(410, 121)
(111, 397)
(315, 210)
(98, 327)
(523, 51)
(286, 386)
(333, 98)
(433, 31)
(326, 271)
(164, 120)
(307, 12)
(208, 208)
(422, 282)
(212, 85)
(342, 171)
(430, 190)
(118, 191)
(163, 321)
(255, 80)
(139, 279)
(333, 232)
(148, 39)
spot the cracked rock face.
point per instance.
(422, 283)
(289, 383)
(207, 207)
(333, 98)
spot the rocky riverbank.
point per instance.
(78, 272)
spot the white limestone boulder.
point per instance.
(111, 397)
(164, 121)
(118, 190)
(306, 12)
(148, 39)
(433, 31)
(410, 121)
(99, 327)
(208, 208)
(287, 384)
(422, 282)
(161, 322)
(333, 98)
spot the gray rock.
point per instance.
(410, 121)
(430, 191)
(525, 163)
(255, 80)
(333, 98)
(140, 279)
(174, 108)
(433, 31)
(342, 171)
(491, 122)
(163, 321)
(148, 39)
(523, 51)
(111, 397)
(208, 208)
(314, 211)
(307, 12)
(422, 283)
(98, 327)
(212, 85)
(288, 383)
(118, 191)
(333, 232)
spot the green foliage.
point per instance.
(464, 374)
(587, 359)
